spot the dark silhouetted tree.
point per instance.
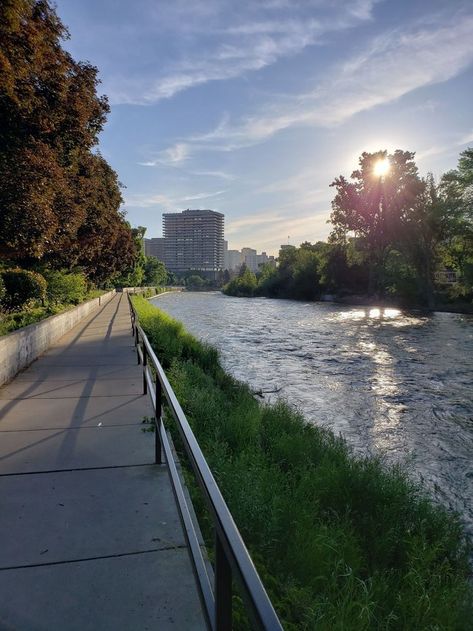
(373, 208)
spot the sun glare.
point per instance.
(381, 167)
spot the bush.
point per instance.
(243, 285)
(64, 287)
(22, 288)
(195, 282)
(2, 289)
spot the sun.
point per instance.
(381, 167)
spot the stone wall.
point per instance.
(20, 348)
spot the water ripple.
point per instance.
(393, 383)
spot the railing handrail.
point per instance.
(231, 552)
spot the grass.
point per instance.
(341, 543)
(10, 322)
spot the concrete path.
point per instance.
(90, 537)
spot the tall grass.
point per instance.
(340, 542)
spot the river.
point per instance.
(392, 383)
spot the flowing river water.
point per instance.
(392, 383)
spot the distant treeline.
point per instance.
(398, 237)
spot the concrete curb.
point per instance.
(19, 348)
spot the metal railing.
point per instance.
(232, 559)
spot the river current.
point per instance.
(392, 383)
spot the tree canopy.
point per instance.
(374, 208)
(59, 200)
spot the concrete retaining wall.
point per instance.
(20, 348)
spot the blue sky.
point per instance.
(253, 107)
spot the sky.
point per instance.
(253, 107)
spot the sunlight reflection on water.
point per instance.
(393, 383)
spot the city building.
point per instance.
(234, 259)
(193, 240)
(155, 247)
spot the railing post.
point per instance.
(137, 344)
(145, 363)
(158, 415)
(223, 588)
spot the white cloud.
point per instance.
(198, 196)
(146, 201)
(467, 139)
(393, 65)
(252, 42)
(452, 146)
(223, 175)
(149, 200)
(172, 156)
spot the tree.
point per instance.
(60, 202)
(195, 282)
(423, 228)
(104, 244)
(244, 284)
(372, 208)
(155, 272)
(456, 192)
(133, 275)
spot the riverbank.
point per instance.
(339, 541)
(463, 308)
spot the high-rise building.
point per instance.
(155, 247)
(233, 260)
(193, 240)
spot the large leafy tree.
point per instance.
(456, 192)
(155, 272)
(373, 208)
(56, 196)
(424, 226)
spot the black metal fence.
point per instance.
(232, 560)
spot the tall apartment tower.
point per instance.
(155, 247)
(193, 240)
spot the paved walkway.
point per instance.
(90, 537)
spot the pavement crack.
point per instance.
(94, 558)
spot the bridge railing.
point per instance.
(232, 560)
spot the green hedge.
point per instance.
(340, 542)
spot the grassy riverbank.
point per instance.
(340, 542)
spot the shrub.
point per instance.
(2, 289)
(65, 287)
(22, 288)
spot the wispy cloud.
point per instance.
(147, 201)
(167, 201)
(393, 65)
(198, 196)
(452, 146)
(223, 175)
(466, 139)
(172, 156)
(258, 37)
